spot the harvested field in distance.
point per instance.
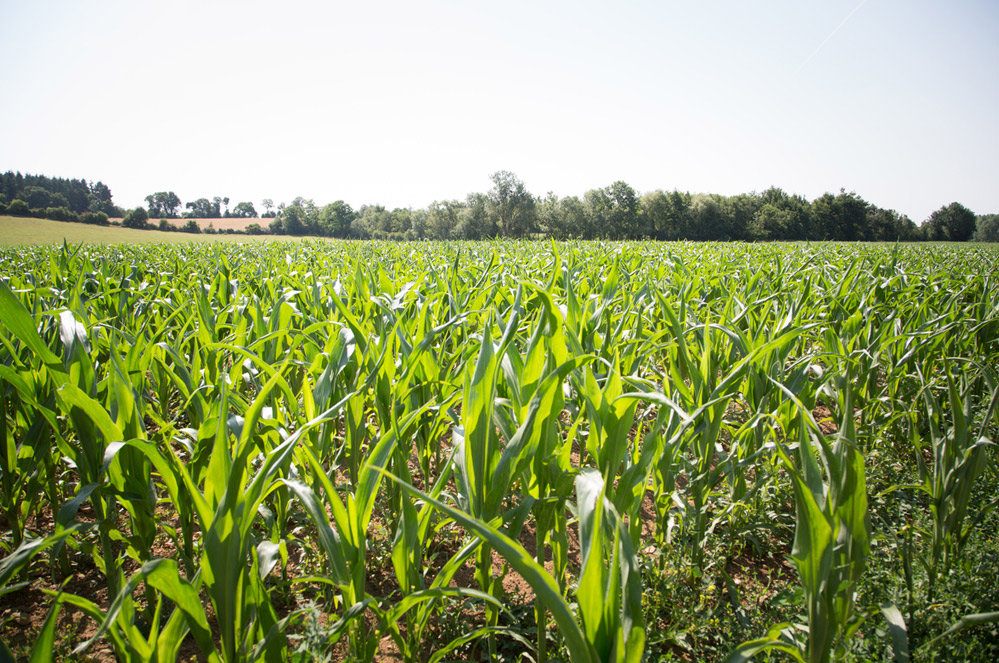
(218, 224)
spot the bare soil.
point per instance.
(217, 224)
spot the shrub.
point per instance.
(191, 226)
(166, 226)
(61, 214)
(95, 218)
(254, 229)
(136, 218)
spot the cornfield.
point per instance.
(341, 451)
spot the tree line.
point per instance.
(167, 205)
(56, 198)
(508, 209)
(618, 212)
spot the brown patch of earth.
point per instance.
(239, 224)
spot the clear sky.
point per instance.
(402, 103)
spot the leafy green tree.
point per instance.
(625, 212)
(357, 229)
(769, 222)
(667, 214)
(99, 199)
(444, 220)
(335, 219)
(550, 220)
(704, 218)
(563, 218)
(374, 220)
(779, 216)
(953, 223)
(191, 226)
(477, 219)
(401, 220)
(37, 197)
(841, 218)
(163, 204)
(268, 205)
(597, 205)
(614, 213)
(738, 213)
(306, 214)
(202, 208)
(656, 210)
(887, 225)
(573, 214)
(512, 205)
(987, 228)
(244, 210)
(136, 218)
(417, 224)
(294, 219)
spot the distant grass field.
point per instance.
(20, 231)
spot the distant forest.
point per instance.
(615, 212)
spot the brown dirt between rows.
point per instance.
(23, 612)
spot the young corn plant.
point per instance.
(532, 384)
(231, 568)
(485, 471)
(74, 379)
(958, 456)
(832, 536)
(610, 625)
(28, 451)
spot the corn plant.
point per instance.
(832, 536)
(958, 457)
(609, 594)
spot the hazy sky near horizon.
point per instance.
(403, 103)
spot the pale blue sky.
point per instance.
(403, 103)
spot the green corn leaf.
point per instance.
(976, 619)
(899, 634)
(520, 560)
(41, 652)
(19, 322)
